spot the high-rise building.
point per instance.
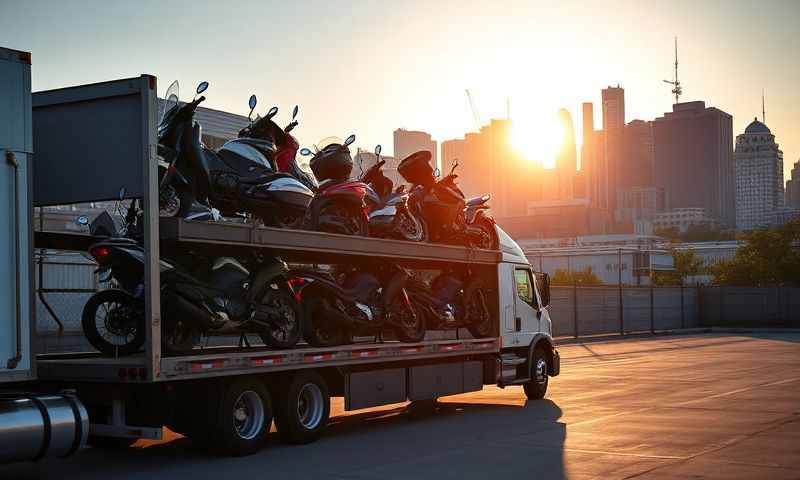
(407, 142)
(452, 150)
(613, 134)
(589, 155)
(759, 177)
(694, 160)
(638, 156)
(566, 157)
(793, 187)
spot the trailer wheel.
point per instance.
(239, 419)
(302, 411)
(537, 386)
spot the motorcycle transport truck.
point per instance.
(93, 148)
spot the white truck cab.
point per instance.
(528, 355)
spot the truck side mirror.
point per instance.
(543, 283)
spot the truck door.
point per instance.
(525, 306)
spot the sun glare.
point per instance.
(537, 139)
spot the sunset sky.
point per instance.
(370, 67)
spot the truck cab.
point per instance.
(525, 325)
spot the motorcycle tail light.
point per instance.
(296, 286)
(100, 254)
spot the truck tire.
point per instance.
(302, 411)
(238, 418)
(536, 388)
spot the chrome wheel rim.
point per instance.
(248, 415)
(168, 202)
(541, 371)
(310, 406)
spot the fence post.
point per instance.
(652, 311)
(621, 314)
(699, 311)
(683, 317)
(575, 306)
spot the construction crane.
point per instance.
(474, 109)
(676, 84)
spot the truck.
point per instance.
(90, 144)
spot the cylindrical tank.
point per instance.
(34, 426)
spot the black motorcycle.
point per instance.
(392, 218)
(450, 303)
(447, 216)
(337, 307)
(240, 178)
(225, 298)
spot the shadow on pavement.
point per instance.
(468, 440)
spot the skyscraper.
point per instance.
(589, 154)
(452, 150)
(407, 142)
(566, 157)
(613, 132)
(638, 155)
(694, 159)
(759, 177)
(793, 187)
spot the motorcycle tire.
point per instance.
(409, 228)
(407, 322)
(477, 314)
(343, 221)
(315, 335)
(132, 327)
(488, 239)
(287, 334)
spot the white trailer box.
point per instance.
(16, 147)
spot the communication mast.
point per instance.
(475, 115)
(676, 84)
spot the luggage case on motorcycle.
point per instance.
(416, 168)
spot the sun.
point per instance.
(537, 138)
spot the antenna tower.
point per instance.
(676, 84)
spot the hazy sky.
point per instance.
(370, 67)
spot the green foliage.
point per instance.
(687, 264)
(767, 257)
(583, 277)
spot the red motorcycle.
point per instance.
(341, 204)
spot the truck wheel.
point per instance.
(239, 419)
(537, 386)
(303, 410)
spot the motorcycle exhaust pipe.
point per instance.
(182, 308)
(36, 426)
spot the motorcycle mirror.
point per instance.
(121, 194)
(252, 103)
(294, 112)
(305, 152)
(437, 172)
(83, 220)
(272, 112)
(378, 149)
(202, 87)
(350, 140)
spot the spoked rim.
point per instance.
(406, 318)
(248, 415)
(410, 227)
(281, 301)
(110, 322)
(169, 204)
(310, 406)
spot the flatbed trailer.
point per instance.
(227, 396)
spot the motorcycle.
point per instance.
(227, 298)
(446, 215)
(334, 312)
(241, 177)
(392, 218)
(450, 304)
(341, 204)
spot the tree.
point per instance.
(686, 263)
(582, 277)
(766, 257)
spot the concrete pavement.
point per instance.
(703, 406)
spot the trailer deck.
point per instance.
(211, 362)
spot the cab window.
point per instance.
(522, 278)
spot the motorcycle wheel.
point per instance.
(314, 334)
(408, 323)
(477, 314)
(487, 238)
(180, 338)
(287, 333)
(347, 222)
(410, 228)
(113, 322)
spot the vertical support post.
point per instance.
(652, 311)
(683, 317)
(575, 307)
(699, 301)
(619, 281)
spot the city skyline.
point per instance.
(543, 59)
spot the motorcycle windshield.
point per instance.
(171, 100)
